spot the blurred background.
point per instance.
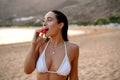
(82, 12)
(93, 24)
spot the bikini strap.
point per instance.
(65, 47)
(46, 45)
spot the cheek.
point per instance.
(53, 26)
(53, 29)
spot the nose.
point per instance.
(44, 23)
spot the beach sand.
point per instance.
(98, 59)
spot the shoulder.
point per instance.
(73, 48)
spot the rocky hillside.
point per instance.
(74, 9)
(93, 9)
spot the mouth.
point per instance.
(44, 30)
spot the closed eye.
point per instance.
(49, 19)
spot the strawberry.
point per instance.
(44, 30)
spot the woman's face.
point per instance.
(51, 23)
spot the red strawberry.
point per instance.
(44, 30)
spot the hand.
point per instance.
(38, 37)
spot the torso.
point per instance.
(53, 61)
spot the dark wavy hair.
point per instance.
(62, 18)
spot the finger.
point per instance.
(37, 32)
(41, 35)
(36, 35)
(40, 39)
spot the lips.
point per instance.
(44, 30)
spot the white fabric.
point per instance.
(64, 68)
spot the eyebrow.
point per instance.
(49, 17)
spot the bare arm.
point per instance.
(74, 65)
(30, 61)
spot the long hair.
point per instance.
(62, 18)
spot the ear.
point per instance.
(61, 25)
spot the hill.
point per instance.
(74, 9)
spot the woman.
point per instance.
(55, 58)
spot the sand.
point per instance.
(98, 60)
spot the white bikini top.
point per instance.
(64, 68)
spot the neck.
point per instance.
(56, 40)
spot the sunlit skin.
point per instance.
(52, 61)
